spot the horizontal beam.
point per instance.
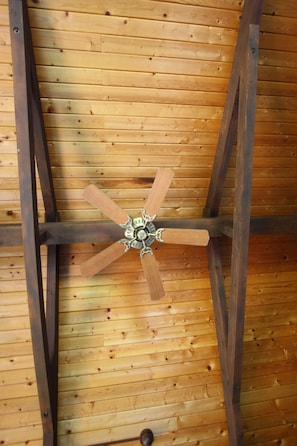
(270, 224)
(65, 233)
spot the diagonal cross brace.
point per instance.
(240, 117)
(31, 147)
(251, 14)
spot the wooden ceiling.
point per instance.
(127, 87)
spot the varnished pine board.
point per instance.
(136, 182)
(28, 418)
(148, 9)
(262, 394)
(144, 389)
(114, 433)
(15, 336)
(118, 93)
(167, 48)
(122, 62)
(267, 379)
(47, 38)
(211, 416)
(14, 377)
(20, 390)
(17, 435)
(17, 348)
(137, 109)
(139, 401)
(133, 376)
(60, 20)
(137, 123)
(13, 405)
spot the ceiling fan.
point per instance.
(140, 232)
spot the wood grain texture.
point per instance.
(128, 87)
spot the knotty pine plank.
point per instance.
(114, 434)
(280, 432)
(142, 182)
(277, 41)
(129, 108)
(152, 335)
(18, 405)
(29, 418)
(21, 434)
(105, 350)
(32, 442)
(139, 123)
(263, 376)
(15, 336)
(78, 214)
(112, 25)
(167, 48)
(271, 23)
(214, 394)
(115, 372)
(283, 10)
(14, 377)
(106, 379)
(47, 38)
(92, 422)
(18, 348)
(267, 421)
(139, 172)
(152, 10)
(140, 390)
(139, 63)
(134, 94)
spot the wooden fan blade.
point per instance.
(197, 237)
(105, 204)
(101, 260)
(152, 275)
(158, 191)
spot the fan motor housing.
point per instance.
(140, 232)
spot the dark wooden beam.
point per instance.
(40, 141)
(240, 110)
(219, 299)
(222, 327)
(52, 328)
(241, 220)
(269, 224)
(30, 230)
(251, 14)
(51, 215)
(64, 233)
(32, 146)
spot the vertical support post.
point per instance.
(31, 145)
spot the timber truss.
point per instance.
(238, 121)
